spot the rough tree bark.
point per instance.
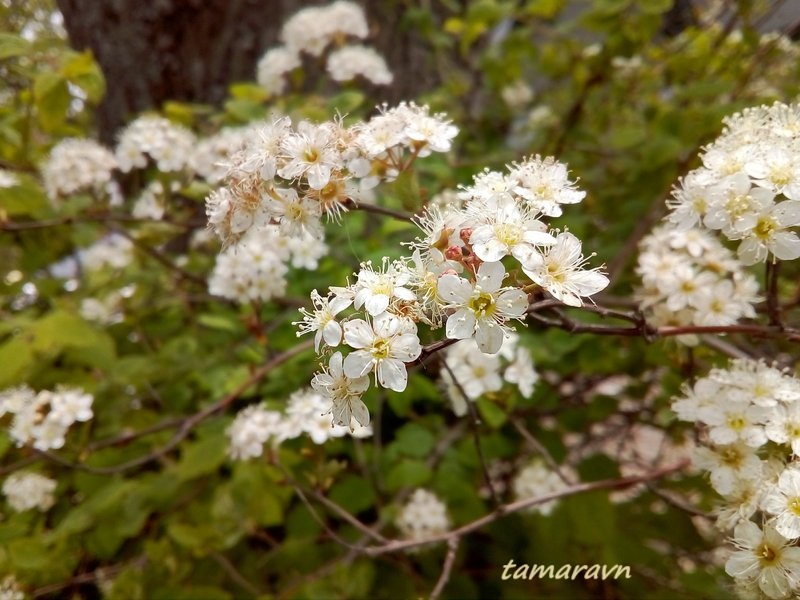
(156, 50)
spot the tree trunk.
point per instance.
(191, 50)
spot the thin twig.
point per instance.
(475, 423)
(230, 569)
(773, 302)
(190, 422)
(543, 452)
(513, 507)
(447, 568)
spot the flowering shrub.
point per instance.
(304, 346)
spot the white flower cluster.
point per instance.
(77, 165)
(536, 480)
(476, 373)
(169, 145)
(114, 251)
(690, 278)
(749, 185)
(423, 516)
(10, 589)
(456, 273)
(741, 410)
(43, 418)
(25, 491)
(294, 176)
(255, 269)
(8, 179)
(312, 30)
(212, 155)
(306, 413)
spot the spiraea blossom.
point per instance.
(78, 165)
(343, 392)
(483, 307)
(26, 491)
(738, 409)
(154, 138)
(42, 419)
(305, 413)
(349, 62)
(312, 29)
(423, 516)
(273, 66)
(748, 187)
(294, 176)
(382, 346)
(535, 480)
(765, 558)
(690, 278)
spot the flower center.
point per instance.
(731, 457)
(766, 555)
(381, 349)
(508, 234)
(736, 422)
(311, 155)
(765, 228)
(794, 506)
(482, 304)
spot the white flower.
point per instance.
(535, 480)
(349, 62)
(311, 153)
(729, 464)
(736, 205)
(68, 405)
(323, 319)
(561, 273)
(733, 421)
(251, 429)
(783, 501)
(25, 491)
(545, 185)
(769, 234)
(522, 372)
(272, 67)
(483, 308)
(783, 425)
(374, 290)
(509, 229)
(384, 347)
(343, 392)
(423, 516)
(765, 557)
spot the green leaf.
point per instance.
(29, 554)
(202, 457)
(82, 70)
(353, 493)
(408, 473)
(414, 440)
(12, 45)
(52, 98)
(490, 412)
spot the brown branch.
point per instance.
(160, 257)
(475, 423)
(773, 302)
(189, 423)
(543, 452)
(11, 226)
(235, 575)
(513, 507)
(378, 210)
(447, 568)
